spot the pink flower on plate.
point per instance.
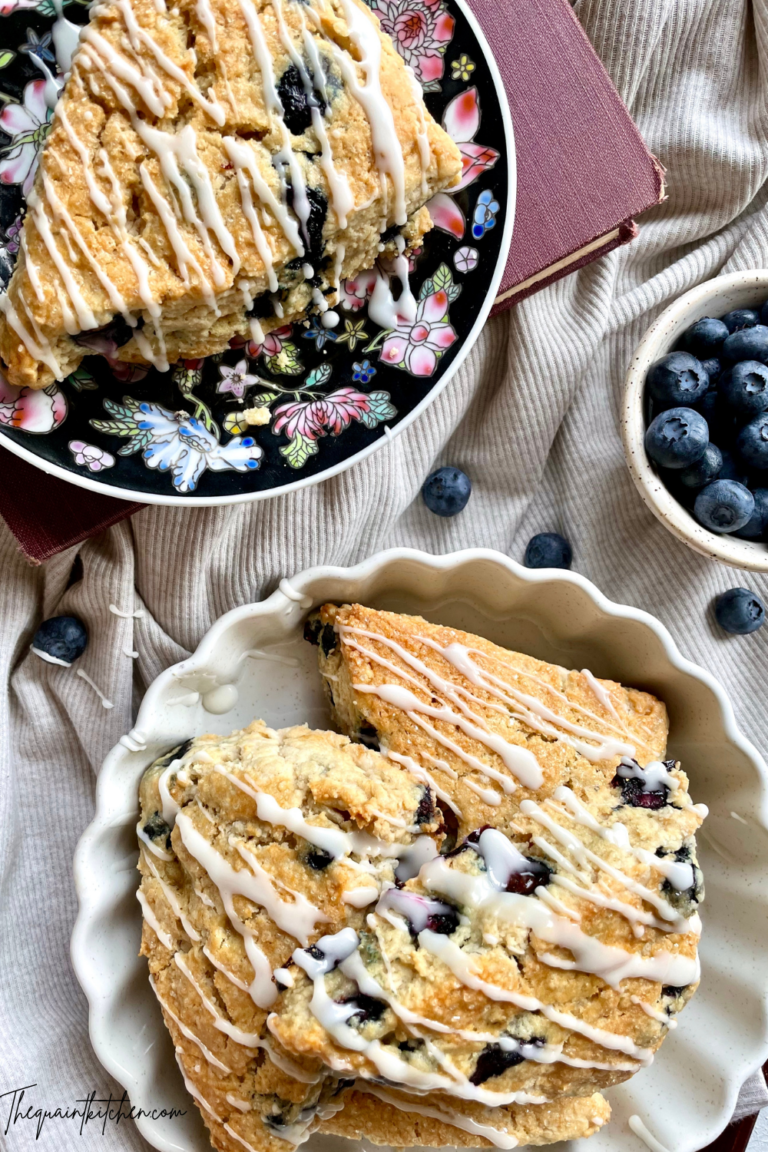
(421, 31)
(354, 293)
(461, 121)
(28, 125)
(332, 413)
(418, 346)
(88, 455)
(40, 411)
(272, 343)
(236, 380)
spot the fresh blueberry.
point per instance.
(713, 369)
(60, 640)
(677, 438)
(732, 469)
(677, 379)
(764, 313)
(739, 611)
(705, 337)
(447, 491)
(752, 442)
(745, 388)
(724, 506)
(704, 470)
(741, 318)
(756, 527)
(709, 405)
(747, 344)
(548, 550)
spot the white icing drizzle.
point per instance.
(185, 1031)
(639, 1129)
(241, 1105)
(519, 761)
(149, 915)
(583, 855)
(173, 902)
(229, 883)
(660, 1017)
(387, 151)
(601, 694)
(422, 774)
(500, 1138)
(154, 849)
(339, 949)
(485, 893)
(105, 702)
(288, 590)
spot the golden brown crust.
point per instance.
(373, 1118)
(100, 153)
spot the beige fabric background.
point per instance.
(532, 417)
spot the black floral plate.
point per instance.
(327, 397)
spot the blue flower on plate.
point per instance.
(484, 217)
(176, 442)
(319, 334)
(362, 373)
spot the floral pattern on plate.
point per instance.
(301, 397)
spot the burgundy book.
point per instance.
(583, 170)
(583, 173)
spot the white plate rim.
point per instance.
(733, 1076)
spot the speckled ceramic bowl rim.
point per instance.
(177, 501)
(96, 890)
(746, 287)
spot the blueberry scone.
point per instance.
(263, 853)
(546, 943)
(214, 169)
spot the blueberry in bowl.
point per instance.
(695, 420)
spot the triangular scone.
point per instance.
(214, 168)
(563, 919)
(231, 887)
(253, 845)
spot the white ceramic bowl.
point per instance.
(687, 1096)
(714, 298)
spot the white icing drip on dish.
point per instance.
(639, 1129)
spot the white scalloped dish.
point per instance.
(246, 667)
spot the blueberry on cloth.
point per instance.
(752, 442)
(756, 528)
(705, 337)
(724, 506)
(704, 470)
(447, 491)
(739, 611)
(747, 344)
(745, 388)
(741, 318)
(677, 438)
(60, 640)
(548, 550)
(677, 379)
